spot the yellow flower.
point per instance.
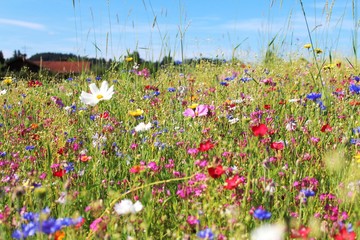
(318, 50)
(7, 80)
(329, 66)
(307, 46)
(128, 59)
(136, 113)
(357, 157)
(193, 106)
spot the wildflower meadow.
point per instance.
(209, 150)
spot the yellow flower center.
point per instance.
(99, 96)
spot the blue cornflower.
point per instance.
(70, 79)
(88, 79)
(27, 230)
(321, 105)
(2, 154)
(313, 96)
(206, 233)
(98, 78)
(146, 97)
(71, 140)
(355, 141)
(262, 214)
(69, 167)
(356, 130)
(224, 83)
(177, 62)
(29, 148)
(30, 216)
(156, 93)
(171, 89)
(92, 117)
(230, 78)
(307, 192)
(51, 225)
(356, 78)
(245, 79)
(354, 88)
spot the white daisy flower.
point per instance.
(142, 127)
(268, 232)
(104, 93)
(127, 207)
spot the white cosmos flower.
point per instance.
(126, 207)
(269, 232)
(104, 93)
(141, 127)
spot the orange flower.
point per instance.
(354, 103)
(85, 158)
(59, 235)
(137, 169)
(34, 126)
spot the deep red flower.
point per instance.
(259, 130)
(206, 146)
(216, 172)
(59, 173)
(345, 235)
(34, 83)
(302, 232)
(232, 183)
(104, 115)
(277, 145)
(267, 106)
(326, 128)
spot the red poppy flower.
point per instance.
(204, 147)
(59, 173)
(216, 172)
(302, 232)
(326, 128)
(345, 235)
(277, 145)
(232, 183)
(259, 130)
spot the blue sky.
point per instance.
(110, 28)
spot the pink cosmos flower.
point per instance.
(200, 110)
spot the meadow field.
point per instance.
(228, 149)
(209, 151)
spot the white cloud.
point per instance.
(24, 24)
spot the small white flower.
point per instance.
(2, 92)
(233, 120)
(268, 232)
(126, 207)
(141, 127)
(104, 93)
